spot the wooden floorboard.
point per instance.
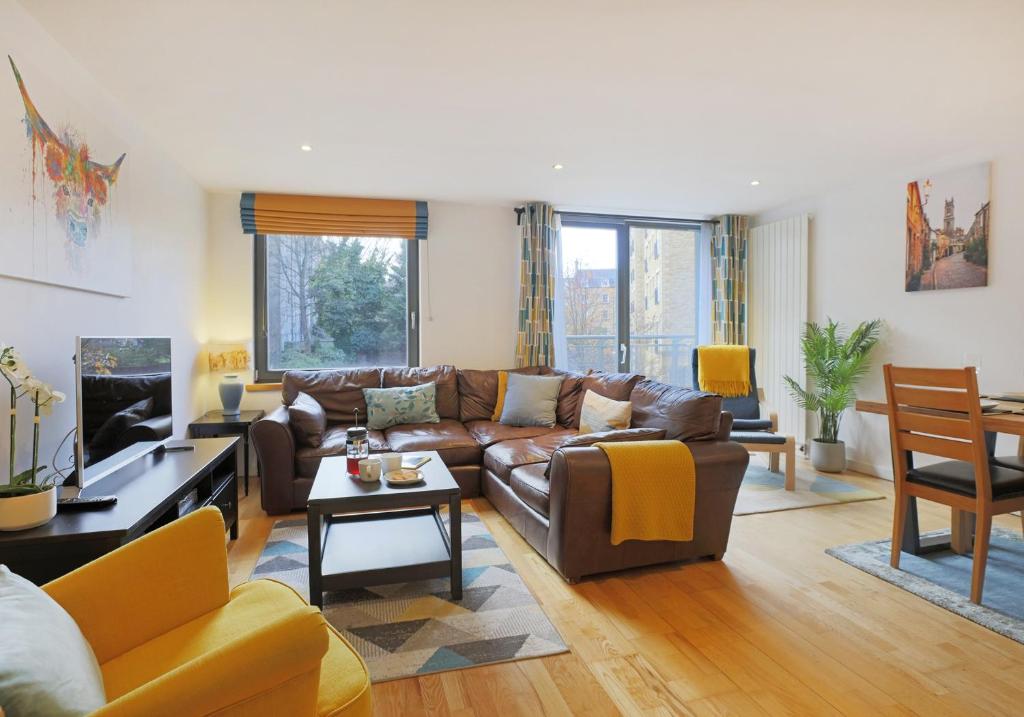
(776, 628)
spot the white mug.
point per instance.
(390, 462)
(369, 470)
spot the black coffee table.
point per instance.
(404, 540)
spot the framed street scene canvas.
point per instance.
(947, 230)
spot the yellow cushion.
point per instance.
(502, 387)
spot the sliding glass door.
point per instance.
(629, 296)
(663, 302)
(587, 298)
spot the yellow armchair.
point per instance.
(171, 639)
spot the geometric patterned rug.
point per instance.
(943, 578)
(764, 492)
(408, 629)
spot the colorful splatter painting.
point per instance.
(69, 216)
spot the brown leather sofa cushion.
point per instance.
(339, 391)
(307, 419)
(530, 484)
(685, 414)
(478, 391)
(504, 457)
(616, 386)
(307, 458)
(569, 397)
(449, 438)
(487, 433)
(444, 376)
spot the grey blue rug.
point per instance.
(409, 629)
(765, 492)
(944, 578)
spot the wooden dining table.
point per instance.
(1006, 417)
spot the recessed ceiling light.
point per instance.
(755, 182)
(306, 148)
(557, 166)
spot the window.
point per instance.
(636, 335)
(333, 302)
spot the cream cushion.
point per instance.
(603, 414)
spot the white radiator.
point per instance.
(777, 311)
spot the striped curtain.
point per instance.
(729, 280)
(538, 233)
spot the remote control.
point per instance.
(89, 502)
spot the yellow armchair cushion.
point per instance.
(308, 653)
(149, 586)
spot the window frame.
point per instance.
(621, 226)
(262, 373)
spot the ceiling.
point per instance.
(661, 106)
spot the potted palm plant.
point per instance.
(30, 497)
(835, 364)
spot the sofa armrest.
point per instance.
(275, 446)
(724, 426)
(621, 434)
(766, 411)
(579, 535)
(280, 656)
(149, 586)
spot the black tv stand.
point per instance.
(151, 491)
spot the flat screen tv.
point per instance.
(124, 398)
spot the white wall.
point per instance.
(857, 272)
(469, 279)
(168, 228)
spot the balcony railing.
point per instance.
(664, 357)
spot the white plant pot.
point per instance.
(828, 457)
(28, 511)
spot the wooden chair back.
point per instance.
(936, 411)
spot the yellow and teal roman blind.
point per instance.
(264, 213)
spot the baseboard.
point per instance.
(878, 471)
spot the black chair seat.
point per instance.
(958, 477)
(757, 437)
(1015, 462)
(751, 424)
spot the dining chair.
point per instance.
(938, 412)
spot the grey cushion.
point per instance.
(752, 424)
(47, 669)
(531, 400)
(757, 437)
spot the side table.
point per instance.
(213, 424)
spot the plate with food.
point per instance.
(404, 476)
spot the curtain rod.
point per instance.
(626, 217)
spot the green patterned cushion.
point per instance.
(386, 407)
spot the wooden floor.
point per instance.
(778, 627)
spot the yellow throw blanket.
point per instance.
(654, 487)
(724, 369)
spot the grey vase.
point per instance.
(231, 389)
(828, 457)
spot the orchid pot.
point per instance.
(29, 498)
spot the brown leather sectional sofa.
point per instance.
(551, 484)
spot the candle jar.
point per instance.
(357, 447)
